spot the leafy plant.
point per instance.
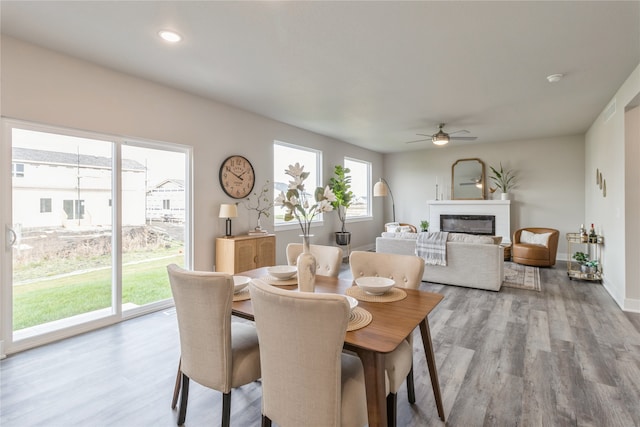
(340, 184)
(503, 179)
(592, 263)
(581, 257)
(424, 225)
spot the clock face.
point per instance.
(236, 177)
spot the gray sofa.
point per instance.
(470, 261)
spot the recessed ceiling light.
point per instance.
(555, 78)
(170, 36)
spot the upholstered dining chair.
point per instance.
(407, 272)
(215, 352)
(328, 258)
(535, 246)
(306, 378)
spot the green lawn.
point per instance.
(48, 300)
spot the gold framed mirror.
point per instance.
(467, 179)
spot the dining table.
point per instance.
(391, 322)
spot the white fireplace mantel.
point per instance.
(501, 209)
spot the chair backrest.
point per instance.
(203, 307)
(301, 335)
(406, 270)
(328, 258)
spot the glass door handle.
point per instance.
(11, 240)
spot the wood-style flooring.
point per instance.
(564, 356)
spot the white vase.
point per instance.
(306, 263)
(504, 196)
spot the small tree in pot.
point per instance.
(340, 184)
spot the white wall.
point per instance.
(43, 86)
(606, 150)
(549, 190)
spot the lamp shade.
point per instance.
(440, 138)
(228, 211)
(380, 189)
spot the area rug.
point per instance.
(521, 276)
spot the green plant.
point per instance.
(592, 263)
(581, 257)
(424, 225)
(503, 179)
(340, 184)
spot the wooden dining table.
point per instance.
(391, 323)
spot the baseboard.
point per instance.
(631, 305)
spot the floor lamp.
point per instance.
(381, 189)
(228, 211)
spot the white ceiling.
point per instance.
(369, 73)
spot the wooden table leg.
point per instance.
(431, 363)
(373, 364)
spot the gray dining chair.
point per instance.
(328, 258)
(407, 272)
(215, 352)
(306, 378)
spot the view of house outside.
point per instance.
(62, 209)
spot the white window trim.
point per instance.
(369, 193)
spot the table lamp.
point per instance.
(228, 211)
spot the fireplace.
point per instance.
(500, 209)
(469, 224)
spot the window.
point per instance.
(360, 185)
(166, 204)
(17, 170)
(287, 154)
(73, 208)
(45, 205)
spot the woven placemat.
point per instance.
(242, 295)
(394, 294)
(359, 319)
(277, 282)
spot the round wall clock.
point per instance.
(237, 177)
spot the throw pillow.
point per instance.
(392, 227)
(541, 239)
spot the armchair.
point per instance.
(535, 246)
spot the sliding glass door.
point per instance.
(93, 223)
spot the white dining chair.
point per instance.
(407, 272)
(328, 258)
(215, 352)
(306, 378)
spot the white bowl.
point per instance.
(240, 282)
(353, 303)
(375, 285)
(282, 272)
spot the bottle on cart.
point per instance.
(584, 238)
(593, 237)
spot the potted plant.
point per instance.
(580, 257)
(503, 179)
(424, 225)
(340, 184)
(590, 266)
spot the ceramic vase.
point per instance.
(306, 263)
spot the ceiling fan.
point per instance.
(441, 137)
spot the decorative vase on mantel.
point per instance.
(504, 196)
(306, 264)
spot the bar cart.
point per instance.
(592, 247)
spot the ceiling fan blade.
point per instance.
(419, 140)
(424, 134)
(459, 131)
(463, 138)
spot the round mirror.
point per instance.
(467, 179)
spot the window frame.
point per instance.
(367, 185)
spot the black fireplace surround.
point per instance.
(469, 224)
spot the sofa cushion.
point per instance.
(535, 238)
(471, 238)
(399, 235)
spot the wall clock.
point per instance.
(237, 177)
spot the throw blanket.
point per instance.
(432, 247)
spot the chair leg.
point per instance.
(392, 400)
(176, 388)
(226, 409)
(266, 422)
(411, 393)
(182, 414)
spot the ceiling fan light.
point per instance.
(440, 138)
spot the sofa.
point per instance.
(472, 261)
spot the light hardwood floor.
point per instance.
(564, 356)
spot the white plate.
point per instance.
(353, 303)
(282, 272)
(375, 285)
(240, 282)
